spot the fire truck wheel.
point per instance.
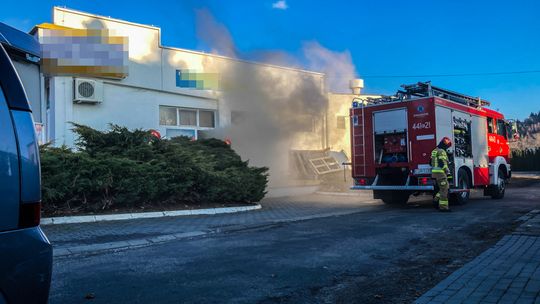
(497, 191)
(395, 197)
(463, 183)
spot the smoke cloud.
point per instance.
(274, 110)
(337, 66)
(214, 34)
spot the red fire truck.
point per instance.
(392, 138)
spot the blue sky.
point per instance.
(384, 38)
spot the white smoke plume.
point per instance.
(274, 110)
(214, 34)
(337, 66)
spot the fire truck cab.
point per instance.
(392, 138)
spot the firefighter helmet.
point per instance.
(446, 141)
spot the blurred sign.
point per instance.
(197, 80)
(191, 133)
(83, 52)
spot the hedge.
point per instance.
(526, 160)
(120, 168)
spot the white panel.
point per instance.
(390, 121)
(425, 137)
(479, 141)
(443, 118)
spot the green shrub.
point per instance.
(130, 169)
(526, 160)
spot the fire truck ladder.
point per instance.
(359, 140)
(425, 89)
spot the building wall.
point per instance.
(339, 123)
(144, 52)
(284, 108)
(127, 106)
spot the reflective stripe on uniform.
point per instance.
(443, 204)
(439, 156)
(434, 162)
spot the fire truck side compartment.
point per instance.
(480, 150)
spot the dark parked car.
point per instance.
(25, 251)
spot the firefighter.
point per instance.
(441, 173)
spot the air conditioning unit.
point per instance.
(88, 91)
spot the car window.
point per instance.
(14, 93)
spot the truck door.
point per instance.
(9, 161)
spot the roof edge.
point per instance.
(64, 9)
(73, 11)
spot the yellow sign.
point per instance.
(83, 52)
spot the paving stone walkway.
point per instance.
(119, 234)
(509, 272)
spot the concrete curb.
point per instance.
(140, 215)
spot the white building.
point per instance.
(266, 110)
(151, 83)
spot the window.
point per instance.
(167, 116)
(491, 126)
(501, 128)
(173, 116)
(341, 122)
(238, 117)
(188, 117)
(206, 119)
(305, 123)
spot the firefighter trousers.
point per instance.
(442, 196)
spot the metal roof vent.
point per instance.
(356, 86)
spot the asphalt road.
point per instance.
(383, 255)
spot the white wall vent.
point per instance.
(88, 91)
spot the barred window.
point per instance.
(168, 116)
(206, 119)
(175, 116)
(188, 118)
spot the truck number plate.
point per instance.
(422, 125)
